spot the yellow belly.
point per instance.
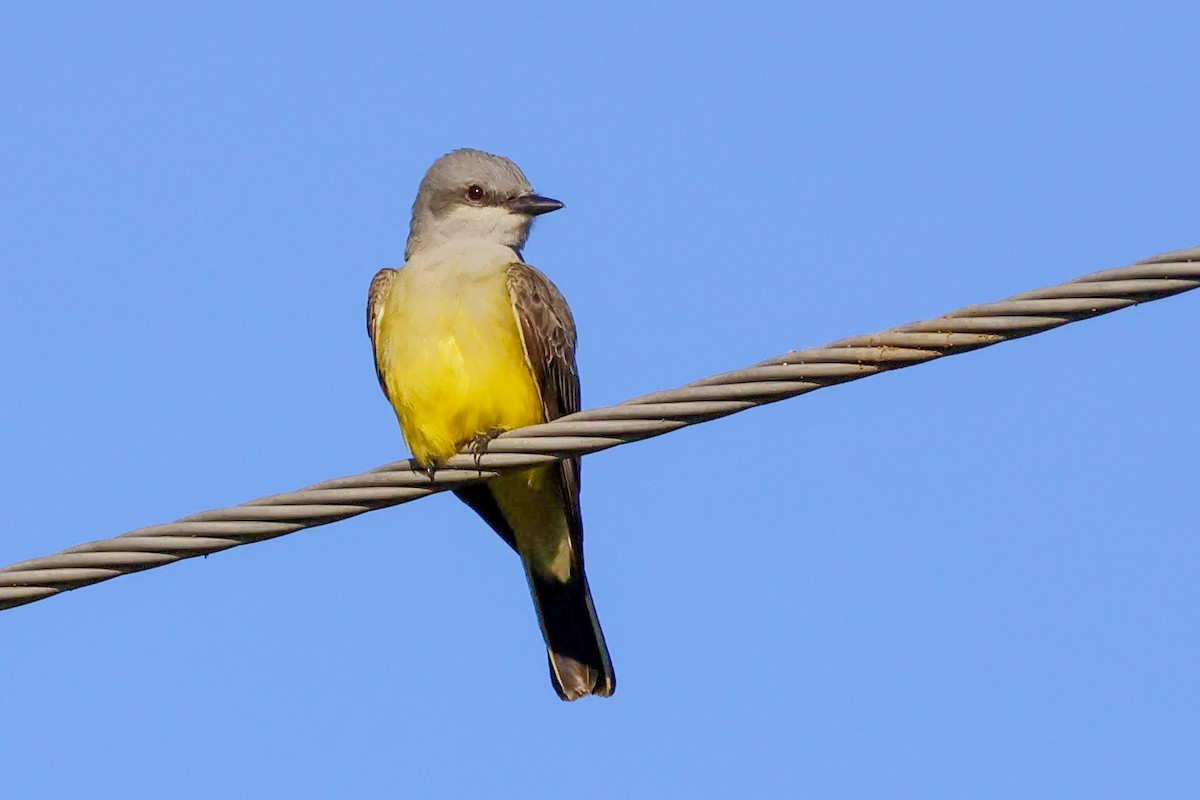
(452, 360)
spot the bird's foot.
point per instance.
(479, 444)
(428, 470)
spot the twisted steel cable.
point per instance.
(785, 376)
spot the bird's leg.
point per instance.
(479, 444)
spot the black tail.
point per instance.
(579, 661)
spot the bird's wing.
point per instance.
(376, 299)
(548, 334)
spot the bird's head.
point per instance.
(469, 194)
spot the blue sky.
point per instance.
(976, 578)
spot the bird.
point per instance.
(470, 341)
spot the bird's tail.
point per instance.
(579, 661)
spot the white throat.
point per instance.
(490, 224)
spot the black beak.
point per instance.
(532, 204)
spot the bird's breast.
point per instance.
(452, 356)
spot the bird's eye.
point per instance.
(475, 192)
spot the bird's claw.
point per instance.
(479, 444)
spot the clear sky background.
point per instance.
(975, 578)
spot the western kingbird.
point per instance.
(471, 341)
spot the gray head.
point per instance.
(469, 194)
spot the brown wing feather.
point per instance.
(548, 332)
(376, 298)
